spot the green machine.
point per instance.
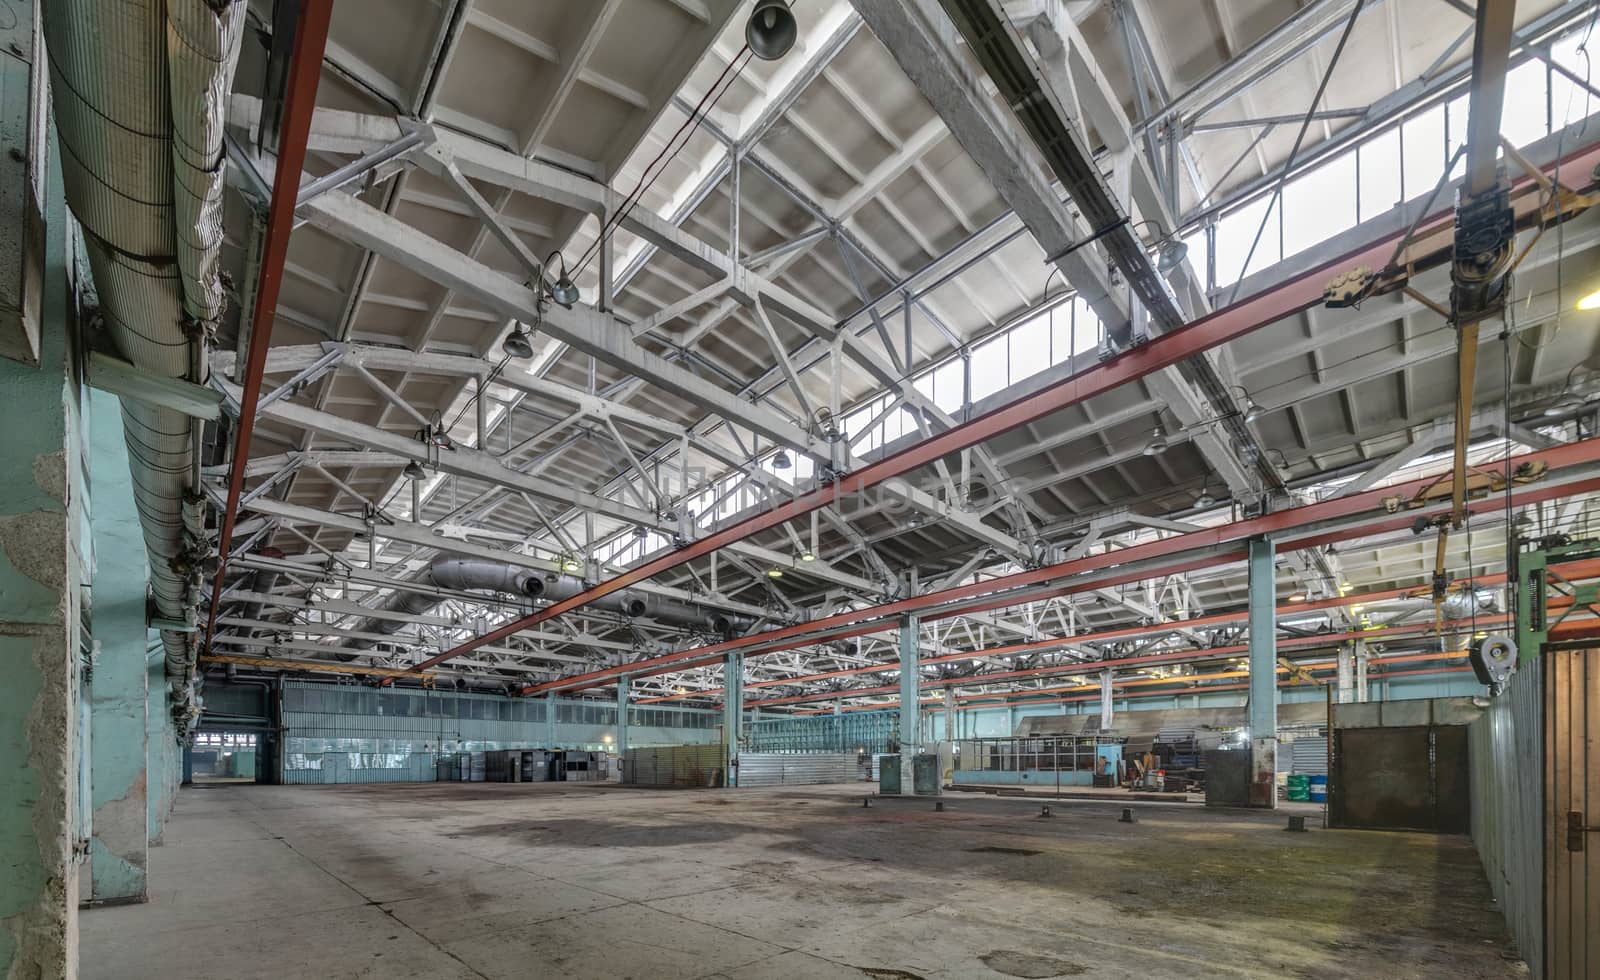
(1496, 656)
(1534, 579)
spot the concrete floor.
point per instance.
(576, 880)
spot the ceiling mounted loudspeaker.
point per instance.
(771, 30)
(518, 344)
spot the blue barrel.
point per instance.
(1319, 789)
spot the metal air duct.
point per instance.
(478, 574)
(125, 79)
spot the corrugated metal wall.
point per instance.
(675, 765)
(345, 733)
(1507, 808)
(855, 731)
(796, 768)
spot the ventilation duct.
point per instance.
(482, 575)
(139, 92)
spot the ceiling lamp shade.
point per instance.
(1158, 443)
(518, 344)
(771, 30)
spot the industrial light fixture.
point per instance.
(570, 564)
(1357, 608)
(1158, 442)
(771, 30)
(774, 573)
(565, 291)
(1298, 597)
(1590, 302)
(781, 460)
(518, 344)
(806, 555)
(414, 471)
(639, 531)
(1249, 411)
(1171, 255)
(1205, 499)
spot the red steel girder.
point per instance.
(1371, 501)
(1230, 323)
(300, 101)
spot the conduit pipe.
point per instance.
(139, 92)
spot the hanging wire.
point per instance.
(1294, 151)
(668, 153)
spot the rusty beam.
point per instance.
(300, 101)
(1230, 323)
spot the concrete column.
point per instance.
(41, 492)
(732, 712)
(1107, 703)
(1345, 661)
(622, 715)
(550, 720)
(1263, 676)
(910, 697)
(119, 845)
(1362, 657)
(838, 724)
(949, 715)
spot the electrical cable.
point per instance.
(1294, 151)
(668, 152)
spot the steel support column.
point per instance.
(1263, 676)
(622, 715)
(1107, 701)
(910, 705)
(1345, 662)
(550, 721)
(733, 711)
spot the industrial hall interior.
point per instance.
(759, 489)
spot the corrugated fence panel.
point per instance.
(795, 768)
(1309, 755)
(1507, 808)
(675, 765)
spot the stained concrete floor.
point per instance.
(573, 880)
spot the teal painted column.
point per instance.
(622, 715)
(160, 747)
(1263, 675)
(732, 712)
(550, 720)
(41, 528)
(119, 847)
(910, 698)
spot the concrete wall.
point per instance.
(41, 567)
(1504, 750)
(118, 692)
